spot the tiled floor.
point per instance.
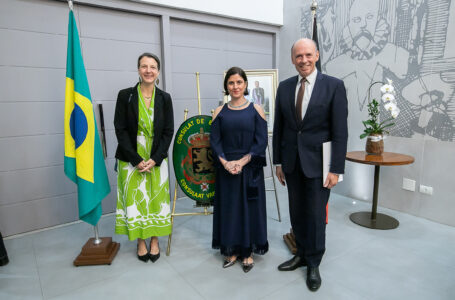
(414, 261)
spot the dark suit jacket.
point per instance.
(325, 120)
(126, 123)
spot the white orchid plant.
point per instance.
(372, 125)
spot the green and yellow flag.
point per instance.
(84, 161)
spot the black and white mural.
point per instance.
(411, 42)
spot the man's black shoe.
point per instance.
(313, 279)
(292, 264)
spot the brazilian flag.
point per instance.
(84, 161)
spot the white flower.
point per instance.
(395, 112)
(388, 97)
(387, 88)
(390, 106)
(389, 81)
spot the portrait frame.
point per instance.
(262, 87)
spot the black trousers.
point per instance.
(307, 206)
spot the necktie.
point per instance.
(298, 105)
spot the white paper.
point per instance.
(326, 158)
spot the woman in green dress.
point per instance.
(144, 126)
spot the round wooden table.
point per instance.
(373, 219)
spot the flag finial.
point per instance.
(314, 7)
(70, 4)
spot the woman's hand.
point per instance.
(146, 166)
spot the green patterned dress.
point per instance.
(143, 198)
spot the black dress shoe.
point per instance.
(313, 279)
(292, 264)
(228, 263)
(154, 257)
(247, 267)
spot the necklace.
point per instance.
(148, 98)
(238, 106)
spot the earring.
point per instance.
(140, 79)
(157, 81)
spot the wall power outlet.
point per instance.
(426, 189)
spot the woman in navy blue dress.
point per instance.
(239, 138)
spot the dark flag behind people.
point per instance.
(315, 39)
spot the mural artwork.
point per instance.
(411, 42)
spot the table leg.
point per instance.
(373, 219)
(374, 207)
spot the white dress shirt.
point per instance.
(309, 85)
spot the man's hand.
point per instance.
(331, 181)
(280, 175)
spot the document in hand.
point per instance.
(326, 157)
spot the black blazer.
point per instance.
(126, 123)
(325, 120)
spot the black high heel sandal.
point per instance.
(154, 257)
(144, 257)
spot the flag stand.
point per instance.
(97, 251)
(93, 185)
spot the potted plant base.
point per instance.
(375, 144)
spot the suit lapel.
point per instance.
(292, 100)
(134, 102)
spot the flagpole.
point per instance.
(97, 239)
(314, 7)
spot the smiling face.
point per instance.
(236, 86)
(148, 70)
(304, 56)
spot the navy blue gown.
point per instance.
(239, 215)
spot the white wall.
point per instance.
(265, 11)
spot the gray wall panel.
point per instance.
(191, 60)
(34, 16)
(118, 25)
(43, 84)
(197, 35)
(114, 55)
(32, 49)
(27, 152)
(31, 184)
(42, 213)
(35, 118)
(104, 85)
(185, 86)
(248, 41)
(249, 60)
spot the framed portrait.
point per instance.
(262, 86)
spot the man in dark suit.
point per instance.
(310, 109)
(258, 94)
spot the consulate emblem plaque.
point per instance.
(193, 159)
